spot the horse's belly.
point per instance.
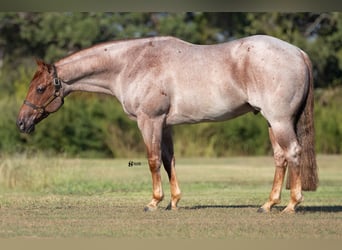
(202, 111)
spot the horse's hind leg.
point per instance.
(169, 165)
(279, 174)
(285, 136)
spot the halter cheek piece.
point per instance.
(58, 85)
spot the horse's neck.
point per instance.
(90, 70)
(101, 68)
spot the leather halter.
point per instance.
(58, 85)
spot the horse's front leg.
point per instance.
(151, 130)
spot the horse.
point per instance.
(164, 81)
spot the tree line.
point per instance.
(94, 125)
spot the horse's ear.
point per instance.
(43, 65)
(40, 62)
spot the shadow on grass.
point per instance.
(220, 206)
(322, 209)
(301, 209)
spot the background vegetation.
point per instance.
(92, 125)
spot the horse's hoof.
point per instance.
(169, 207)
(288, 211)
(149, 209)
(263, 210)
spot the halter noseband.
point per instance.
(58, 85)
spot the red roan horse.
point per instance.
(163, 81)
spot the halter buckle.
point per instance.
(57, 83)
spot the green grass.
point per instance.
(67, 198)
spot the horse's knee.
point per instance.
(279, 158)
(154, 162)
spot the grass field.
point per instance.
(76, 198)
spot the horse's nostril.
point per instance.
(21, 125)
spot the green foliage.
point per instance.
(95, 126)
(10, 140)
(243, 136)
(329, 121)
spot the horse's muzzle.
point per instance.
(25, 128)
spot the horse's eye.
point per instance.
(40, 89)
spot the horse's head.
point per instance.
(44, 97)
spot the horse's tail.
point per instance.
(306, 137)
